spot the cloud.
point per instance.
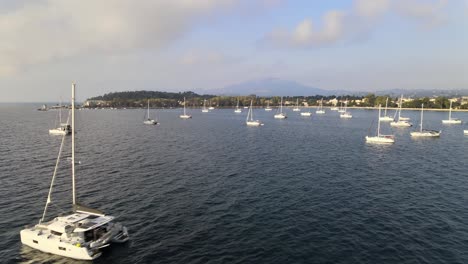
(338, 25)
(42, 31)
(195, 57)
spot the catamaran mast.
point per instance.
(73, 143)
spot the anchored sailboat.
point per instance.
(268, 108)
(63, 128)
(401, 122)
(185, 116)
(346, 114)
(320, 109)
(451, 120)
(385, 139)
(297, 109)
(385, 117)
(280, 114)
(238, 110)
(79, 235)
(148, 120)
(204, 109)
(249, 120)
(425, 132)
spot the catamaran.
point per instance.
(249, 120)
(204, 109)
(297, 109)
(320, 109)
(148, 120)
(238, 110)
(346, 114)
(78, 235)
(451, 120)
(400, 122)
(279, 114)
(268, 108)
(384, 139)
(185, 116)
(385, 117)
(424, 132)
(64, 128)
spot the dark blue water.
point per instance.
(211, 190)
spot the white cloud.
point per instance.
(43, 31)
(371, 8)
(338, 25)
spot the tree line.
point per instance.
(169, 99)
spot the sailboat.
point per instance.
(296, 109)
(320, 108)
(268, 108)
(385, 139)
(249, 120)
(185, 116)
(424, 132)
(204, 109)
(80, 234)
(64, 128)
(211, 107)
(451, 120)
(400, 122)
(280, 114)
(465, 132)
(385, 117)
(334, 108)
(238, 110)
(148, 120)
(341, 109)
(306, 113)
(346, 114)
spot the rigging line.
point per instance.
(53, 179)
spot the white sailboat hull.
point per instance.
(401, 123)
(334, 109)
(254, 123)
(268, 109)
(465, 132)
(386, 118)
(426, 133)
(280, 116)
(185, 116)
(58, 131)
(238, 111)
(454, 121)
(306, 114)
(382, 139)
(346, 115)
(320, 112)
(150, 122)
(205, 110)
(404, 118)
(296, 109)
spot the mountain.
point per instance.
(270, 87)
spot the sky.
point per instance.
(198, 45)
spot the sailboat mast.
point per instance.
(60, 112)
(148, 110)
(251, 111)
(378, 123)
(73, 143)
(422, 115)
(386, 105)
(401, 103)
(281, 105)
(450, 110)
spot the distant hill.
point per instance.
(270, 87)
(140, 95)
